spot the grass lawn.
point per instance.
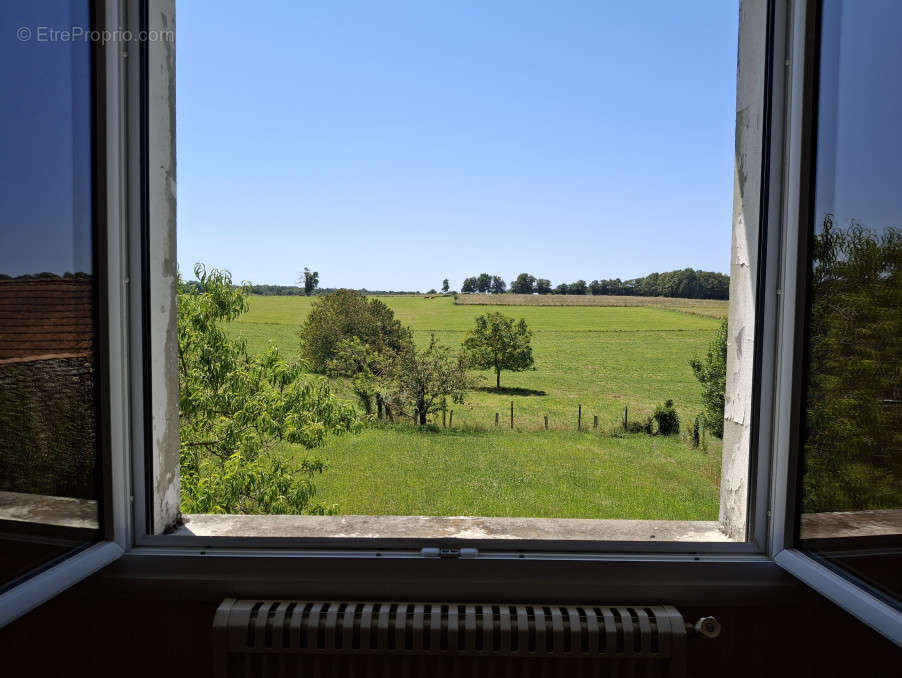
(604, 358)
(557, 474)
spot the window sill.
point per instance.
(450, 527)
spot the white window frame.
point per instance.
(688, 574)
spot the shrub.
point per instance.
(344, 315)
(667, 419)
(712, 373)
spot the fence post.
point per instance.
(595, 421)
(579, 418)
(496, 418)
(451, 419)
(443, 419)
(512, 414)
(546, 422)
(626, 411)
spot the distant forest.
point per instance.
(686, 283)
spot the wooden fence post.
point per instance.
(595, 421)
(512, 414)
(496, 418)
(451, 419)
(546, 422)
(626, 411)
(579, 418)
(443, 419)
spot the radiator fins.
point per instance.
(340, 638)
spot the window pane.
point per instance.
(852, 446)
(49, 486)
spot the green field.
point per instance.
(603, 358)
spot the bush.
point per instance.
(667, 419)
(712, 373)
(346, 315)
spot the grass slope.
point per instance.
(712, 308)
(559, 474)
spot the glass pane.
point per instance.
(49, 488)
(851, 483)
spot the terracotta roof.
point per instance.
(41, 316)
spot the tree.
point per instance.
(595, 287)
(234, 405)
(369, 370)
(445, 286)
(425, 378)
(468, 286)
(543, 286)
(344, 315)
(712, 373)
(524, 284)
(563, 288)
(499, 342)
(498, 285)
(310, 279)
(579, 287)
(483, 283)
(853, 420)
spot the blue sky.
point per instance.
(389, 144)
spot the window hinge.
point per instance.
(444, 552)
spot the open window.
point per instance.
(796, 136)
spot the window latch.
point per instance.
(446, 552)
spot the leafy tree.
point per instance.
(432, 291)
(445, 286)
(233, 406)
(524, 284)
(483, 283)
(498, 285)
(369, 370)
(499, 342)
(595, 287)
(426, 378)
(468, 286)
(579, 287)
(345, 315)
(543, 286)
(310, 279)
(853, 422)
(712, 373)
(563, 288)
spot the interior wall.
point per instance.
(102, 629)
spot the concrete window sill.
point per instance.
(449, 527)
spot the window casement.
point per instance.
(779, 44)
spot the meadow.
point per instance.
(600, 357)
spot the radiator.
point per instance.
(339, 638)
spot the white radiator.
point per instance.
(339, 638)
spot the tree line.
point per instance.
(686, 283)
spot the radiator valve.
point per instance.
(707, 627)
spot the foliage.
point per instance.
(234, 405)
(712, 373)
(853, 441)
(445, 286)
(543, 286)
(498, 285)
(425, 378)
(311, 281)
(524, 284)
(667, 419)
(253, 486)
(499, 342)
(346, 315)
(368, 368)
(579, 287)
